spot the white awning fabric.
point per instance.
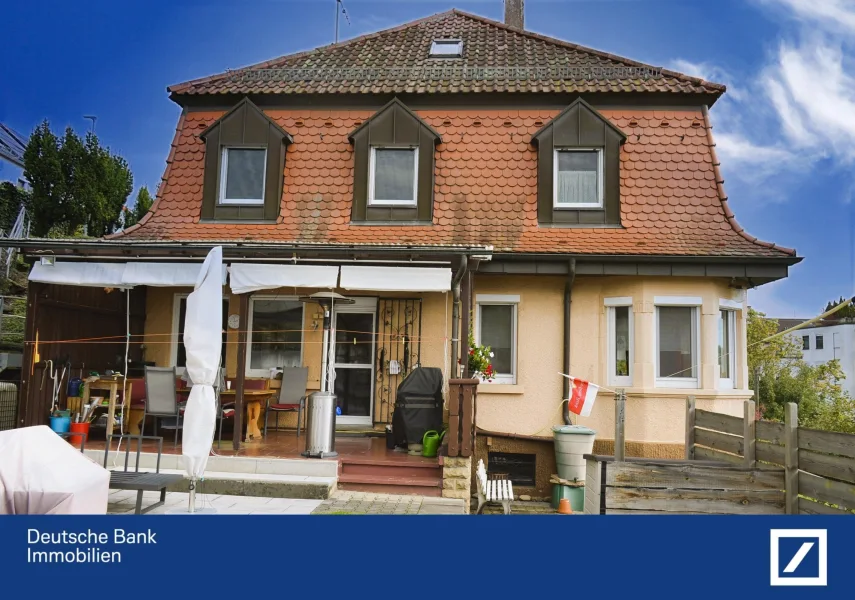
(163, 274)
(396, 279)
(248, 277)
(88, 274)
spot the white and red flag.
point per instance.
(583, 394)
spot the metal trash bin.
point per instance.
(320, 425)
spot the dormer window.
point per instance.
(578, 178)
(243, 175)
(393, 177)
(446, 49)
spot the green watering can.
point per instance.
(431, 442)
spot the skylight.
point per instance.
(446, 49)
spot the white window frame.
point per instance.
(611, 304)
(816, 341)
(501, 300)
(600, 183)
(435, 44)
(728, 383)
(250, 372)
(689, 302)
(176, 315)
(224, 169)
(371, 167)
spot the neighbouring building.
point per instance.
(454, 172)
(832, 339)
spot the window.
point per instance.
(677, 346)
(179, 312)
(620, 340)
(497, 328)
(243, 175)
(393, 177)
(446, 49)
(819, 342)
(805, 342)
(727, 349)
(275, 334)
(578, 178)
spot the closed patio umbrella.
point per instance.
(203, 341)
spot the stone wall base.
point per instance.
(456, 477)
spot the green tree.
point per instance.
(75, 183)
(132, 216)
(11, 199)
(843, 313)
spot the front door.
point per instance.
(354, 362)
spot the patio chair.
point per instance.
(292, 396)
(161, 400)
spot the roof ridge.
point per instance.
(722, 195)
(267, 63)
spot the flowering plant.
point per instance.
(479, 360)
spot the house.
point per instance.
(451, 173)
(829, 339)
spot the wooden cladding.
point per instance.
(462, 395)
(393, 126)
(579, 126)
(245, 126)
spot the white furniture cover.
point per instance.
(42, 474)
(396, 279)
(203, 343)
(89, 274)
(249, 277)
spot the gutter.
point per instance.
(455, 313)
(568, 301)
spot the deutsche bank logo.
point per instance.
(799, 556)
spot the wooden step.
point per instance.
(418, 486)
(390, 468)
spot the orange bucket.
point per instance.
(80, 431)
(564, 507)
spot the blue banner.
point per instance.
(213, 556)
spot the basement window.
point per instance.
(446, 49)
(521, 469)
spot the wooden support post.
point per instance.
(465, 321)
(690, 428)
(791, 457)
(243, 311)
(620, 417)
(27, 396)
(454, 393)
(749, 434)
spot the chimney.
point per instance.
(515, 13)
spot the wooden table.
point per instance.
(113, 385)
(252, 399)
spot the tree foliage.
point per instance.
(75, 183)
(777, 369)
(843, 313)
(11, 199)
(132, 216)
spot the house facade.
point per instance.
(457, 173)
(828, 340)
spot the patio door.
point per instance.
(354, 362)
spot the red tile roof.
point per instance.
(384, 62)
(672, 198)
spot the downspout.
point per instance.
(568, 299)
(455, 315)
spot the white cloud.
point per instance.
(836, 15)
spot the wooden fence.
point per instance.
(462, 395)
(819, 466)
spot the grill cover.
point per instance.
(418, 406)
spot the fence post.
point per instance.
(791, 457)
(749, 434)
(690, 428)
(620, 416)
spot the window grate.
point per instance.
(521, 469)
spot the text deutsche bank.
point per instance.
(83, 546)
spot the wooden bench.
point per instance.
(141, 481)
(493, 489)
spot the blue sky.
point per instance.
(785, 131)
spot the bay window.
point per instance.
(677, 342)
(621, 340)
(727, 349)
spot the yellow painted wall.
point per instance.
(653, 414)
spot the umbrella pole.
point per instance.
(325, 351)
(192, 507)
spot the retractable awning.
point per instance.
(248, 277)
(163, 274)
(396, 279)
(89, 274)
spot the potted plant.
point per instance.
(480, 361)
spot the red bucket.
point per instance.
(79, 432)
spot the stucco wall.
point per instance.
(653, 414)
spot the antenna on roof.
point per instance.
(343, 11)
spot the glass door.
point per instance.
(354, 362)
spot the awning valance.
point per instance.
(88, 274)
(396, 279)
(247, 277)
(163, 274)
